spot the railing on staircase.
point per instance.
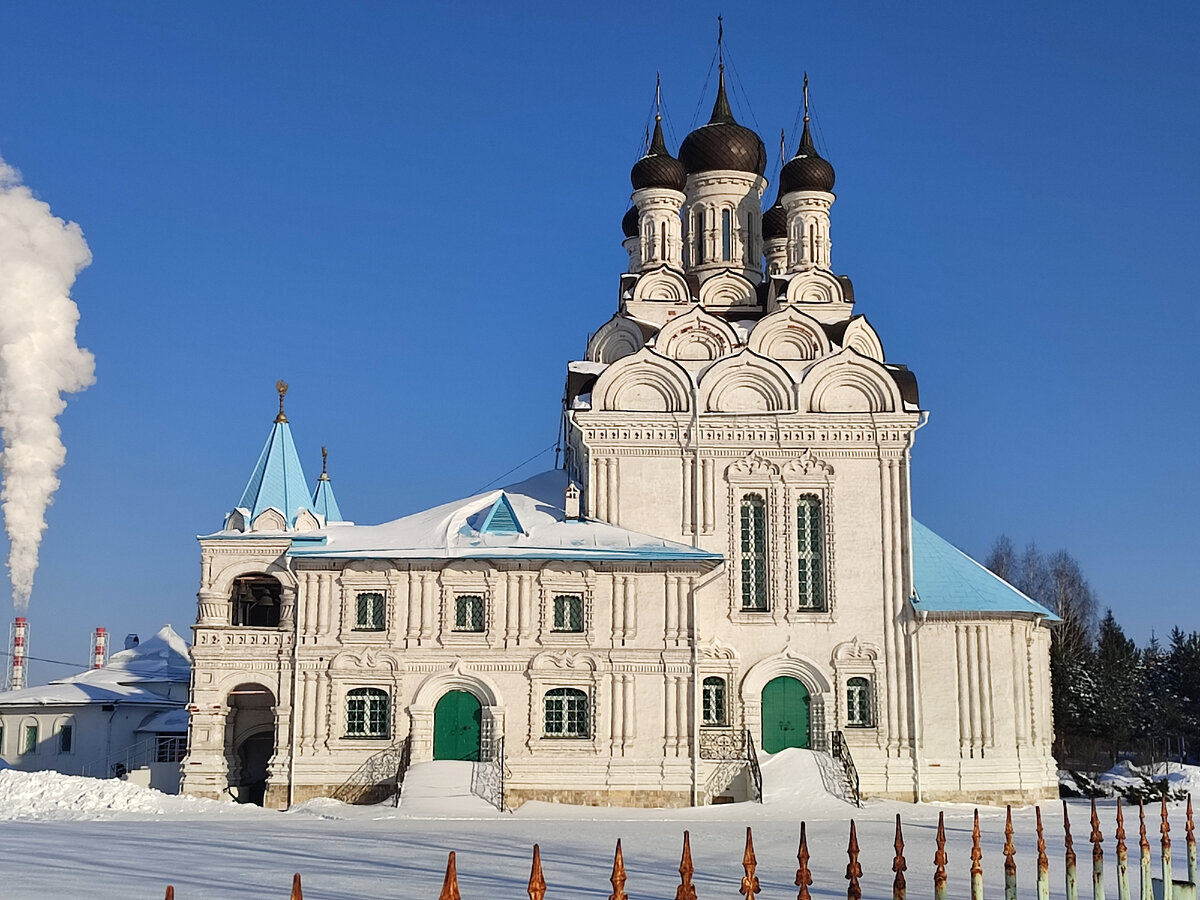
(120, 762)
(378, 778)
(755, 771)
(841, 752)
(487, 775)
(402, 768)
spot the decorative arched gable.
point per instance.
(789, 334)
(222, 580)
(270, 519)
(727, 290)
(662, 285)
(815, 286)
(370, 660)
(306, 521)
(849, 382)
(696, 335)
(455, 678)
(644, 382)
(746, 382)
(862, 337)
(617, 338)
(786, 663)
(563, 661)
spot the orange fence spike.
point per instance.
(899, 866)
(1043, 861)
(1010, 850)
(686, 890)
(1191, 836)
(940, 859)
(803, 875)
(1096, 837)
(976, 850)
(450, 884)
(1165, 830)
(853, 869)
(618, 875)
(1145, 841)
(297, 893)
(1068, 842)
(170, 893)
(1121, 850)
(537, 883)
(750, 885)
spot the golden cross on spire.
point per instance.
(282, 387)
(324, 463)
(721, 40)
(658, 96)
(782, 144)
(805, 96)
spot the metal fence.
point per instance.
(1163, 887)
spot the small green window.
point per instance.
(566, 713)
(468, 612)
(568, 613)
(367, 713)
(31, 739)
(65, 735)
(754, 552)
(369, 615)
(714, 702)
(858, 703)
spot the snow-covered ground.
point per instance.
(67, 836)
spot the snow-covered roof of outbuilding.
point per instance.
(947, 580)
(161, 659)
(462, 530)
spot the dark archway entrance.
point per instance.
(785, 706)
(250, 741)
(456, 726)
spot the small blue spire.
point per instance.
(278, 480)
(324, 503)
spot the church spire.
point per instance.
(277, 481)
(324, 502)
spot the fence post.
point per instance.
(1165, 830)
(853, 869)
(1010, 857)
(1043, 862)
(939, 861)
(450, 883)
(537, 882)
(750, 885)
(1147, 891)
(803, 875)
(618, 875)
(1069, 845)
(1122, 856)
(899, 888)
(1096, 837)
(297, 893)
(686, 890)
(170, 895)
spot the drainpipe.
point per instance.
(914, 651)
(291, 784)
(694, 751)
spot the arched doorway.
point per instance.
(249, 741)
(456, 731)
(785, 708)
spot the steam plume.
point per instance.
(40, 255)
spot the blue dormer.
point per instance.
(501, 519)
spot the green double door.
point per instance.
(785, 705)
(456, 721)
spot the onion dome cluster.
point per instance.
(629, 222)
(723, 143)
(807, 170)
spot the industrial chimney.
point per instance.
(20, 646)
(99, 648)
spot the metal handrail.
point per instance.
(755, 771)
(841, 752)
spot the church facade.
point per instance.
(726, 565)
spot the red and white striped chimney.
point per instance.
(20, 645)
(99, 648)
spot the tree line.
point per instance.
(1112, 699)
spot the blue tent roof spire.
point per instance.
(278, 480)
(324, 503)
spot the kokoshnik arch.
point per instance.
(728, 551)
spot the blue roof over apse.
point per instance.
(278, 480)
(324, 503)
(947, 580)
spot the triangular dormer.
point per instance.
(501, 519)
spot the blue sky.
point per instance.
(412, 214)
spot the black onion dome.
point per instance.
(774, 223)
(807, 170)
(629, 222)
(723, 143)
(658, 168)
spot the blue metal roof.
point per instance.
(947, 580)
(324, 503)
(278, 480)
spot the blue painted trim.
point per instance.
(501, 519)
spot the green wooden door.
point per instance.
(784, 714)
(456, 726)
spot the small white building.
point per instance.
(128, 718)
(727, 560)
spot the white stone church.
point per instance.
(727, 565)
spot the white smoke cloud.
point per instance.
(40, 255)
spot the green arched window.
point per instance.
(858, 703)
(566, 713)
(367, 713)
(713, 702)
(810, 553)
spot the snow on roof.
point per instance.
(162, 658)
(947, 580)
(169, 721)
(586, 366)
(447, 532)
